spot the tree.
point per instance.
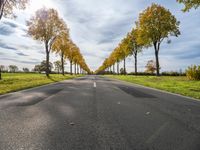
(61, 46)
(37, 68)
(45, 26)
(133, 46)
(117, 58)
(26, 70)
(71, 54)
(189, 4)
(7, 6)
(58, 66)
(122, 71)
(13, 68)
(155, 24)
(42, 67)
(122, 48)
(76, 59)
(150, 67)
(2, 68)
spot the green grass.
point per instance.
(179, 85)
(18, 81)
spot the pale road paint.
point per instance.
(95, 85)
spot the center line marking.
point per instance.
(95, 85)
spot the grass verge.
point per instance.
(178, 85)
(13, 82)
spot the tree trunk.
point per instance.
(118, 67)
(113, 68)
(71, 68)
(47, 58)
(157, 64)
(62, 63)
(135, 63)
(124, 66)
(2, 5)
(157, 59)
(75, 68)
(0, 74)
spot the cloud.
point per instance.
(11, 24)
(21, 54)
(7, 28)
(21, 61)
(195, 53)
(6, 31)
(5, 46)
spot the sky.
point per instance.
(97, 27)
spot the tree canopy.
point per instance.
(46, 25)
(7, 6)
(189, 4)
(155, 24)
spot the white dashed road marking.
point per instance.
(95, 85)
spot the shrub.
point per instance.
(150, 67)
(142, 74)
(193, 72)
(173, 73)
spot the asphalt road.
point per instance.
(95, 113)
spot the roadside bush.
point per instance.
(193, 72)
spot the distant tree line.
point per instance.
(10, 68)
(55, 67)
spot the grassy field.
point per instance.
(18, 81)
(179, 85)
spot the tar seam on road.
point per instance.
(157, 133)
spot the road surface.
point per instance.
(96, 113)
